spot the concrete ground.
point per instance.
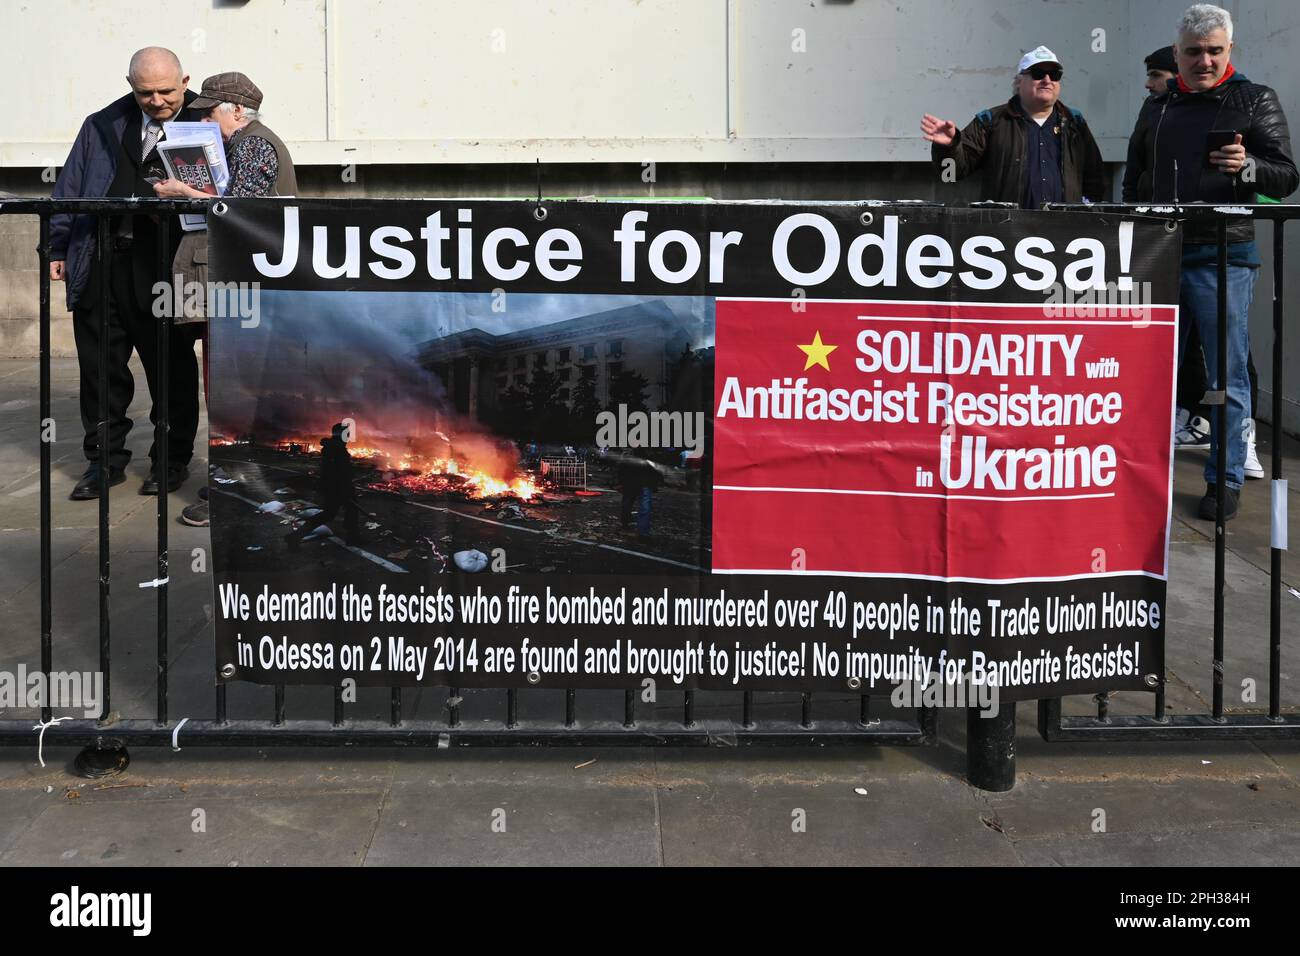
(1144, 803)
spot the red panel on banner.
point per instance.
(834, 453)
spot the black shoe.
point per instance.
(203, 493)
(1209, 507)
(176, 475)
(87, 488)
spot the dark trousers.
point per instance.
(133, 327)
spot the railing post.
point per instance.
(162, 425)
(47, 585)
(1278, 486)
(102, 256)
(991, 748)
(1221, 467)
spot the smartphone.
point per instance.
(1217, 139)
(153, 180)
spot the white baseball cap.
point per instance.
(1035, 57)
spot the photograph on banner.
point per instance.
(726, 445)
(451, 421)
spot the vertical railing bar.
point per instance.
(1160, 700)
(1275, 556)
(102, 253)
(279, 705)
(928, 718)
(570, 707)
(629, 708)
(805, 718)
(512, 707)
(453, 709)
(1103, 707)
(338, 705)
(162, 426)
(1221, 466)
(864, 709)
(221, 704)
(747, 709)
(47, 587)
(688, 714)
(395, 708)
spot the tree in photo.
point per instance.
(629, 388)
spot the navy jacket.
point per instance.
(88, 174)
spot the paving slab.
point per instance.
(1041, 807)
(1200, 847)
(922, 819)
(556, 808)
(327, 829)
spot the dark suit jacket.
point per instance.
(88, 173)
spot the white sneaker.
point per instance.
(1193, 431)
(1252, 468)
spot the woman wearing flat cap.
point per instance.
(259, 165)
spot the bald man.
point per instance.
(115, 154)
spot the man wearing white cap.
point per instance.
(1031, 149)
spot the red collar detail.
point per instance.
(1227, 74)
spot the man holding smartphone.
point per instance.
(1212, 136)
(116, 154)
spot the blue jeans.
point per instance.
(643, 511)
(1199, 305)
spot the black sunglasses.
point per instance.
(1038, 72)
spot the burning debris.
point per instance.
(480, 467)
(448, 476)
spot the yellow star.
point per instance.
(817, 353)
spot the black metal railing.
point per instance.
(609, 727)
(574, 729)
(1161, 725)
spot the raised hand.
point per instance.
(937, 130)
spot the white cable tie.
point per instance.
(40, 740)
(155, 583)
(176, 748)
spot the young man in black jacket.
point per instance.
(1031, 150)
(1172, 157)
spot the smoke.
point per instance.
(311, 365)
(318, 358)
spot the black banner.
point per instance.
(882, 448)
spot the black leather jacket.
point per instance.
(1167, 150)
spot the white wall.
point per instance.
(674, 81)
(411, 81)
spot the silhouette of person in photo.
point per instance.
(336, 491)
(638, 478)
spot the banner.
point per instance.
(716, 445)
